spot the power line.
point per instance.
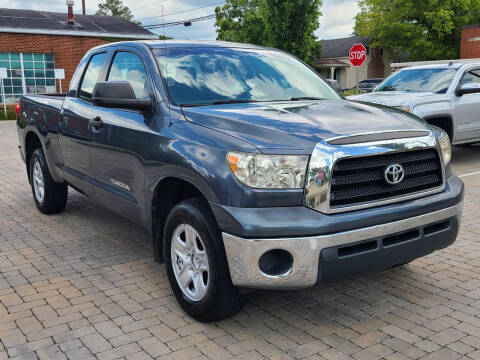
(181, 12)
(201, 18)
(152, 4)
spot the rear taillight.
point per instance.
(17, 108)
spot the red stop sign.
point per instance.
(357, 54)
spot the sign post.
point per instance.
(358, 55)
(60, 75)
(3, 75)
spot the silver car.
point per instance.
(445, 95)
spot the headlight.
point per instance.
(445, 145)
(404, 108)
(269, 171)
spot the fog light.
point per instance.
(276, 262)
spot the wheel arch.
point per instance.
(168, 192)
(444, 122)
(32, 142)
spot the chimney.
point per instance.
(70, 19)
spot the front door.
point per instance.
(75, 132)
(467, 107)
(119, 144)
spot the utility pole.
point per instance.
(83, 7)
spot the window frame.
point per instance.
(147, 74)
(100, 74)
(467, 71)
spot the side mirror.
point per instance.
(467, 89)
(118, 94)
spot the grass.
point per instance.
(352, 91)
(10, 112)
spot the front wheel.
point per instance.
(50, 197)
(196, 263)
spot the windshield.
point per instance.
(200, 76)
(420, 80)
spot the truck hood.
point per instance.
(392, 98)
(298, 126)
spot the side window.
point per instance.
(90, 77)
(128, 67)
(471, 78)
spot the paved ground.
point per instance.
(83, 284)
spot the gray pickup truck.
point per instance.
(445, 95)
(248, 169)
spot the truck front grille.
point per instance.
(362, 179)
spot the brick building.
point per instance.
(34, 43)
(470, 42)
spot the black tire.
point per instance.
(55, 194)
(221, 299)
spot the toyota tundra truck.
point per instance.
(247, 168)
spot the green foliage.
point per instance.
(284, 24)
(417, 29)
(10, 112)
(115, 8)
(240, 21)
(290, 26)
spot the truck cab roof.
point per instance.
(155, 44)
(449, 65)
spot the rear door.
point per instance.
(119, 146)
(75, 132)
(467, 107)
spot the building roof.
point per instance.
(340, 47)
(330, 62)
(52, 23)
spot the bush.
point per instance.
(10, 112)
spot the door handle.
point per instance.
(96, 122)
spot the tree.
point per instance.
(417, 29)
(290, 26)
(114, 8)
(284, 24)
(240, 21)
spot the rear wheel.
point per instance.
(196, 263)
(50, 197)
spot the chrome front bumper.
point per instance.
(243, 254)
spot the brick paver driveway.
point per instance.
(83, 284)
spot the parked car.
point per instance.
(445, 95)
(368, 85)
(333, 83)
(248, 170)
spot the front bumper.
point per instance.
(339, 254)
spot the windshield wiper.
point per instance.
(195, 104)
(232, 101)
(296, 98)
(219, 102)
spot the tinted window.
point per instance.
(420, 80)
(204, 75)
(128, 67)
(90, 78)
(471, 78)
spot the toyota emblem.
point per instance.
(394, 174)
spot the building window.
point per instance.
(28, 73)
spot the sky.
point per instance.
(337, 20)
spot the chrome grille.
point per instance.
(362, 180)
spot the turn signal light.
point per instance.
(233, 161)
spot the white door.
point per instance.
(467, 108)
